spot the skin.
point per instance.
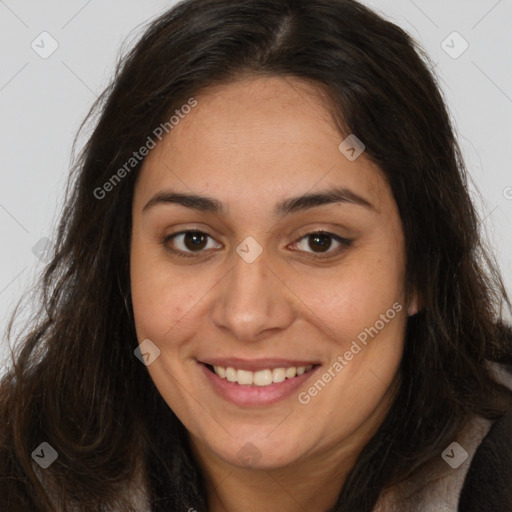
(251, 144)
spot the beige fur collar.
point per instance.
(438, 489)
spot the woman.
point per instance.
(268, 291)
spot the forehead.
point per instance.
(258, 138)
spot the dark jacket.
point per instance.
(488, 483)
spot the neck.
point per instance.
(313, 482)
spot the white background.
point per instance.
(43, 101)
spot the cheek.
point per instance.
(165, 298)
(356, 293)
(157, 301)
(159, 304)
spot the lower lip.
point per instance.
(255, 395)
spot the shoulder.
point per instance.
(488, 482)
(473, 474)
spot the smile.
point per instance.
(260, 383)
(261, 377)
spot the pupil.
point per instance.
(324, 241)
(194, 240)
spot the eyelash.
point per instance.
(344, 244)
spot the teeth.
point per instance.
(290, 372)
(231, 374)
(278, 374)
(261, 377)
(244, 377)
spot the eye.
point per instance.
(321, 242)
(190, 241)
(194, 241)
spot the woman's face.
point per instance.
(258, 293)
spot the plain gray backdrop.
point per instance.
(56, 57)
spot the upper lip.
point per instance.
(254, 365)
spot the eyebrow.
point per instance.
(288, 206)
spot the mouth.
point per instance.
(261, 378)
(266, 384)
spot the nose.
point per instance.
(252, 301)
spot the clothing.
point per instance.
(482, 483)
(488, 481)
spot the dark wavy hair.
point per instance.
(75, 382)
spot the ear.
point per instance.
(414, 304)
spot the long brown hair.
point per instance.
(75, 382)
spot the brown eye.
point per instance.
(187, 242)
(194, 240)
(321, 242)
